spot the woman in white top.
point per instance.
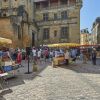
(39, 55)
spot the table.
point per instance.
(58, 60)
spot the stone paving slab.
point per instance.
(63, 83)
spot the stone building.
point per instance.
(58, 20)
(19, 15)
(96, 31)
(85, 37)
(36, 22)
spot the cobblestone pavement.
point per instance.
(74, 82)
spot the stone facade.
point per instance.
(36, 22)
(7, 31)
(85, 37)
(58, 21)
(20, 16)
(5, 28)
(96, 31)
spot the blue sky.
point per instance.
(89, 12)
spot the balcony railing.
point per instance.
(49, 22)
(57, 21)
(55, 7)
(5, 5)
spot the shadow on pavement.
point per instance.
(4, 92)
(34, 74)
(2, 98)
(15, 81)
(12, 82)
(83, 68)
(21, 77)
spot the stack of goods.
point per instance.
(7, 68)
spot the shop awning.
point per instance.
(5, 41)
(64, 45)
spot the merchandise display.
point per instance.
(7, 65)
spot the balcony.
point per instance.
(51, 21)
(55, 7)
(58, 21)
(59, 4)
(5, 5)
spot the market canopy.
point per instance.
(5, 41)
(64, 45)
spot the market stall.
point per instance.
(90, 48)
(63, 45)
(60, 59)
(6, 63)
(4, 41)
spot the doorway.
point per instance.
(33, 39)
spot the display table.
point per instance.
(58, 60)
(10, 68)
(3, 74)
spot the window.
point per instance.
(64, 2)
(5, 0)
(37, 5)
(64, 32)
(45, 17)
(19, 33)
(46, 33)
(5, 12)
(64, 15)
(55, 16)
(4, 15)
(44, 4)
(55, 33)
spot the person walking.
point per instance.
(51, 56)
(46, 54)
(39, 56)
(73, 53)
(19, 58)
(84, 56)
(81, 56)
(34, 55)
(67, 57)
(94, 56)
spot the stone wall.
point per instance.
(6, 28)
(72, 23)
